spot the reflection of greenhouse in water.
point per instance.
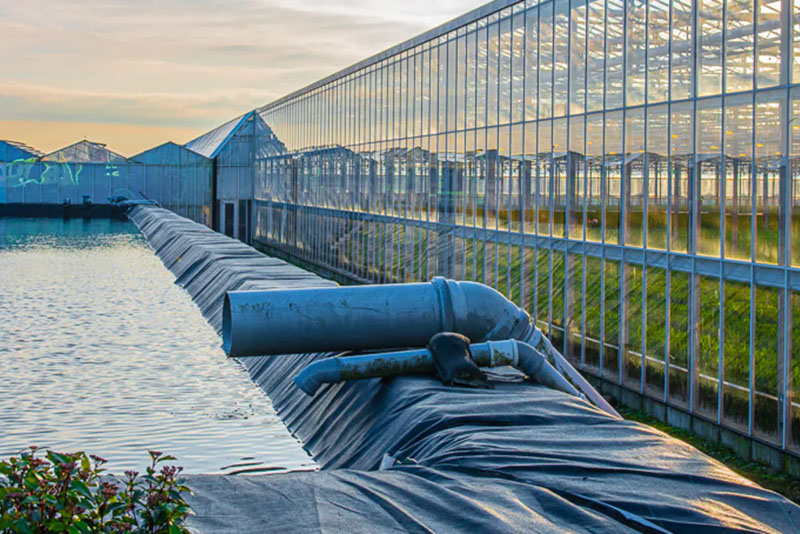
(628, 170)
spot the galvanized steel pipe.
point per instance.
(366, 317)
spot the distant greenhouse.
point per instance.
(175, 177)
(89, 173)
(235, 147)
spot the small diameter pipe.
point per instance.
(420, 361)
(566, 368)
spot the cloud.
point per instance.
(186, 63)
(25, 101)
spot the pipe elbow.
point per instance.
(483, 314)
(325, 371)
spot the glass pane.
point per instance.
(543, 290)
(738, 161)
(594, 177)
(681, 171)
(768, 355)
(736, 355)
(482, 77)
(544, 178)
(793, 388)
(679, 335)
(709, 130)
(576, 178)
(635, 54)
(561, 59)
(708, 336)
(682, 37)
(503, 267)
(634, 176)
(615, 53)
(739, 45)
(577, 58)
(770, 168)
(613, 176)
(575, 302)
(611, 320)
(529, 183)
(558, 274)
(560, 171)
(794, 183)
(471, 81)
(658, 51)
(709, 20)
(518, 68)
(657, 176)
(531, 62)
(795, 29)
(768, 43)
(504, 72)
(632, 325)
(546, 60)
(655, 331)
(595, 56)
(594, 317)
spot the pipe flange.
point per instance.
(445, 301)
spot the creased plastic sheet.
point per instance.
(517, 458)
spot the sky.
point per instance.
(136, 73)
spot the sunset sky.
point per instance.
(136, 73)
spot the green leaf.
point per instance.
(175, 529)
(56, 526)
(21, 525)
(80, 487)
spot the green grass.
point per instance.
(786, 485)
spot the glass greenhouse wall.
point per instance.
(628, 170)
(177, 178)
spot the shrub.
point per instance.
(69, 493)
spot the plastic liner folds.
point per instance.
(407, 454)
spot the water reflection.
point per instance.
(101, 352)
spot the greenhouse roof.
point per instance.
(168, 152)
(12, 150)
(209, 144)
(85, 152)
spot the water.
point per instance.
(101, 352)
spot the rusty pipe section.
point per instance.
(370, 317)
(420, 361)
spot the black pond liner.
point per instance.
(517, 458)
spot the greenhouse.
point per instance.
(87, 173)
(175, 177)
(235, 146)
(626, 170)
